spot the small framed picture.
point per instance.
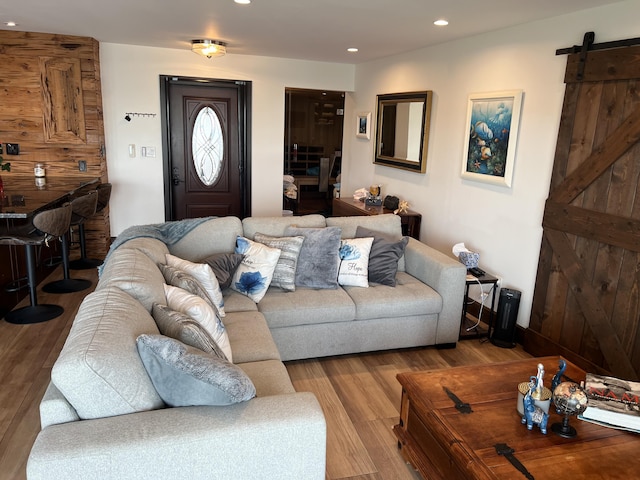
(491, 136)
(363, 125)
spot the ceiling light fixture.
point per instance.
(208, 48)
(352, 49)
(243, 2)
(441, 22)
(11, 24)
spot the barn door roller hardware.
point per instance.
(589, 46)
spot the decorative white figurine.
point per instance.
(403, 206)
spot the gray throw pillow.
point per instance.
(284, 276)
(182, 327)
(185, 376)
(319, 259)
(383, 258)
(224, 265)
(181, 279)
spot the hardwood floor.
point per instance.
(358, 393)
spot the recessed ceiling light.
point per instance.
(243, 2)
(441, 22)
(11, 24)
(352, 49)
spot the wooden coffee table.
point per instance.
(443, 443)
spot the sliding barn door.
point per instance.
(587, 296)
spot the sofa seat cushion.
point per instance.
(250, 337)
(99, 370)
(270, 377)
(135, 273)
(306, 306)
(409, 297)
(237, 302)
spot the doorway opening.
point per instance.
(314, 121)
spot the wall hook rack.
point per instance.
(129, 115)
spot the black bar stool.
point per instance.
(84, 263)
(80, 208)
(46, 225)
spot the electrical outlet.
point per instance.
(13, 149)
(82, 165)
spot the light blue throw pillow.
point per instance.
(185, 376)
(319, 261)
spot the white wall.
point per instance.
(502, 224)
(130, 83)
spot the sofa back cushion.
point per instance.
(133, 272)
(99, 370)
(217, 235)
(387, 223)
(275, 226)
(151, 247)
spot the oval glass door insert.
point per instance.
(207, 146)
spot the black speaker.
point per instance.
(504, 328)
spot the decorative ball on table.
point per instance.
(569, 399)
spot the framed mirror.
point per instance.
(402, 130)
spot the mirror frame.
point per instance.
(394, 98)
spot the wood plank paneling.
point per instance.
(51, 101)
(587, 294)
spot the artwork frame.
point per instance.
(363, 125)
(491, 136)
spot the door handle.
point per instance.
(175, 177)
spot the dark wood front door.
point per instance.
(206, 143)
(586, 302)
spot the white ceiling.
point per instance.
(318, 30)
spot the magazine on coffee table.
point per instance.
(612, 402)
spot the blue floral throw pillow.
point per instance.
(253, 276)
(354, 262)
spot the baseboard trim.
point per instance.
(540, 346)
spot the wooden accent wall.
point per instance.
(51, 105)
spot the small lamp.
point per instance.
(208, 48)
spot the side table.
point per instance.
(473, 332)
(348, 207)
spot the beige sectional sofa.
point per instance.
(102, 418)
